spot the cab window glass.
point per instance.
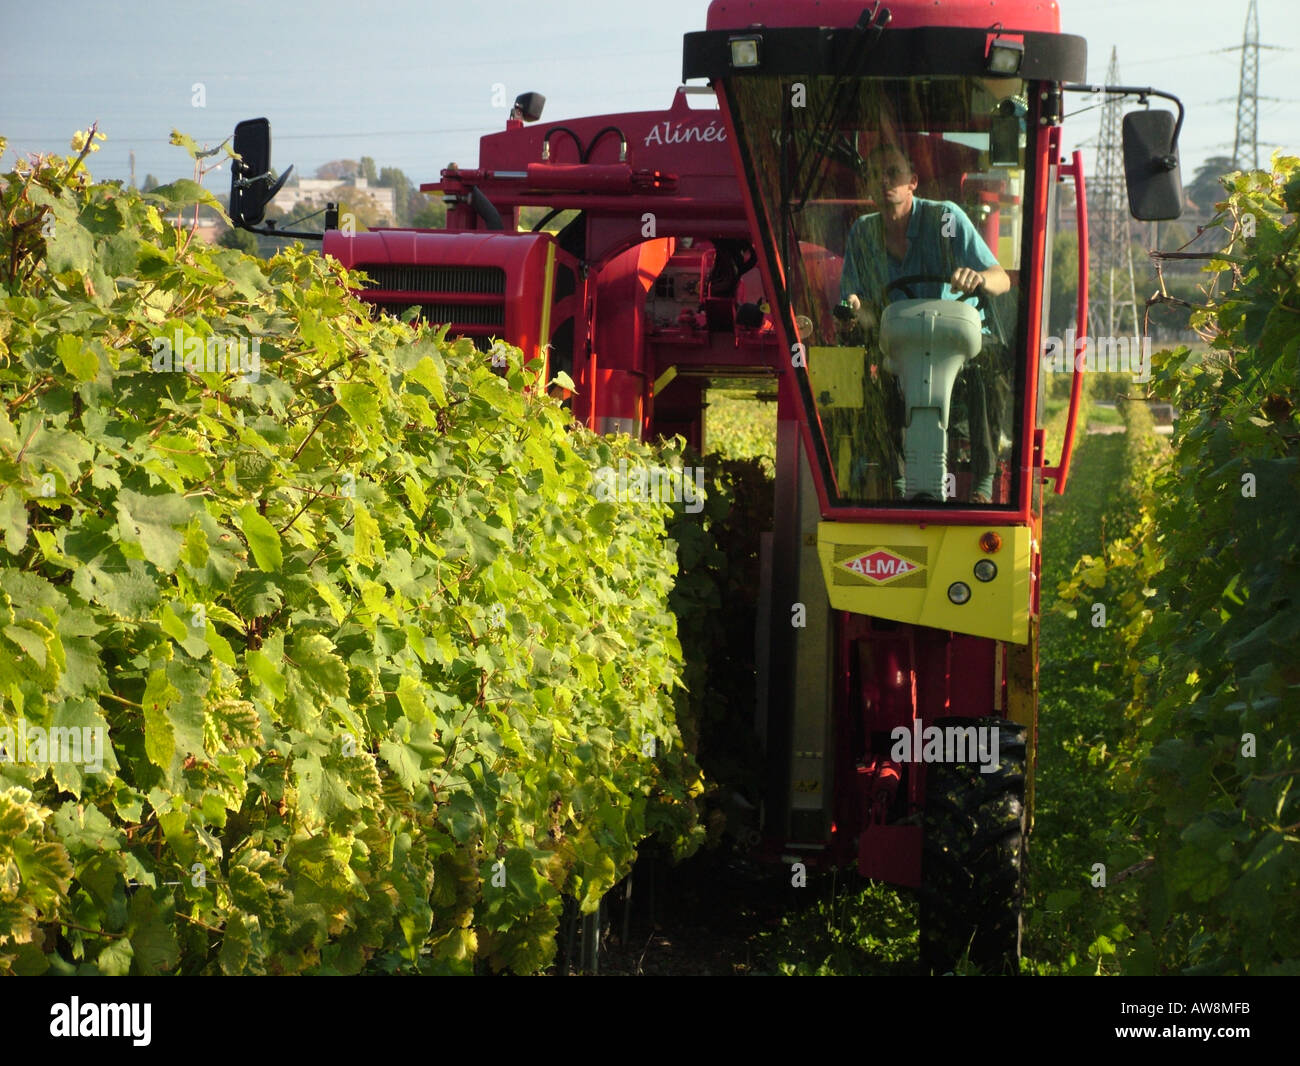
(895, 214)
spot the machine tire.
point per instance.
(973, 853)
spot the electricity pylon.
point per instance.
(1114, 291)
(1245, 147)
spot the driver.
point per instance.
(912, 235)
(919, 236)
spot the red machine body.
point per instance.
(629, 299)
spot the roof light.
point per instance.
(1005, 56)
(744, 51)
(528, 107)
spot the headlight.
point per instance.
(959, 592)
(986, 570)
(1005, 56)
(744, 51)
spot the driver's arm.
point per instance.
(993, 279)
(981, 267)
(849, 281)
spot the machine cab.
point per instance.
(896, 165)
(897, 172)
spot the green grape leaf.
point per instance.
(151, 523)
(263, 540)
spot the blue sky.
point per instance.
(410, 83)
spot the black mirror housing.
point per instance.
(1151, 169)
(1004, 140)
(250, 188)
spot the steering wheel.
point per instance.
(905, 283)
(980, 296)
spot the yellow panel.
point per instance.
(903, 572)
(836, 376)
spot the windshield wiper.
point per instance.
(869, 28)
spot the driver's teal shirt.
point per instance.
(926, 253)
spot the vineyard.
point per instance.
(378, 684)
(1195, 822)
(383, 681)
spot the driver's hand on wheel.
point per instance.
(859, 316)
(866, 314)
(967, 280)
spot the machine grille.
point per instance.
(456, 314)
(448, 279)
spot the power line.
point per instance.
(1180, 56)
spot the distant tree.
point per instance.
(1064, 281)
(368, 170)
(339, 170)
(239, 239)
(404, 207)
(1175, 233)
(417, 201)
(150, 183)
(533, 216)
(1204, 190)
(431, 213)
(363, 207)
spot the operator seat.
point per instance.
(926, 343)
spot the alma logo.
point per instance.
(879, 565)
(102, 1019)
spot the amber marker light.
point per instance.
(991, 542)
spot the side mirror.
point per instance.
(1005, 130)
(251, 184)
(1155, 184)
(1004, 141)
